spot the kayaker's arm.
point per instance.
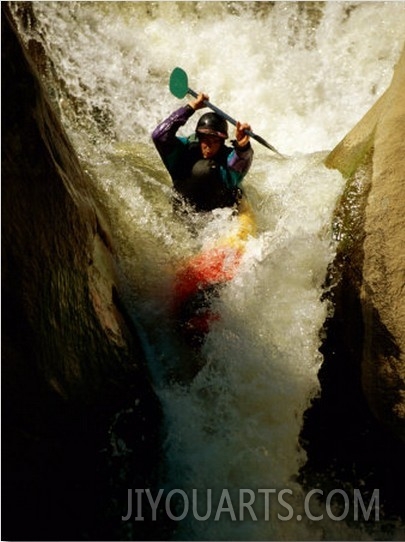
(199, 101)
(164, 135)
(242, 138)
(169, 146)
(239, 161)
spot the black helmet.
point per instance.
(212, 124)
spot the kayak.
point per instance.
(199, 280)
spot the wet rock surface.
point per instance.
(80, 421)
(355, 430)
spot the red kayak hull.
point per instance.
(200, 279)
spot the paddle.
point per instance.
(178, 85)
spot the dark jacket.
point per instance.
(205, 183)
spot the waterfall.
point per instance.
(302, 74)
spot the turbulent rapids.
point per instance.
(301, 74)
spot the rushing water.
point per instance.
(302, 74)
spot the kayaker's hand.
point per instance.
(241, 136)
(198, 103)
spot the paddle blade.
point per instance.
(178, 83)
(265, 144)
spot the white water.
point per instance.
(302, 86)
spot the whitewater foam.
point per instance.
(302, 74)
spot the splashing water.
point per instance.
(302, 74)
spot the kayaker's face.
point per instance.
(209, 145)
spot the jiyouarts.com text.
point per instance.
(248, 504)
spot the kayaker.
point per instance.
(205, 172)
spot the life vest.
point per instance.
(204, 182)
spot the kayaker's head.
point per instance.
(212, 131)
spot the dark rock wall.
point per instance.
(377, 143)
(74, 381)
(355, 432)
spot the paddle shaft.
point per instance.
(233, 121)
